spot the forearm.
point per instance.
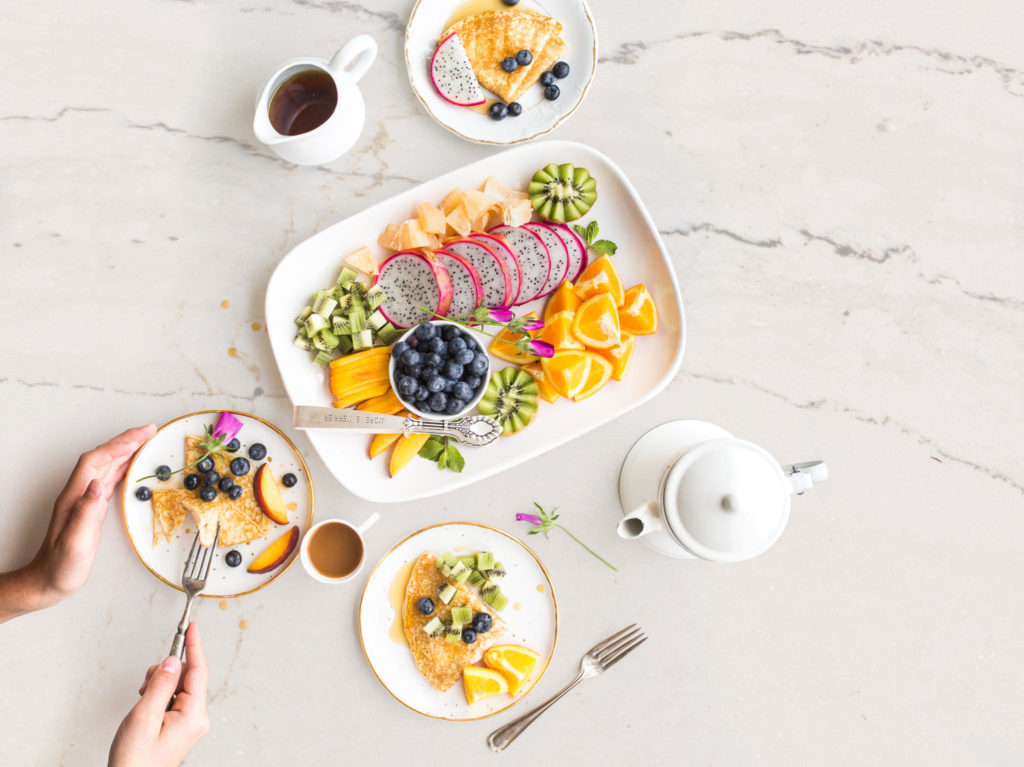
(20, 593)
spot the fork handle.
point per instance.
(501, 737)
(178, 644)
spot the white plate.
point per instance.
(429, 19)
(167, 448)
(315, 263)
(532, 616)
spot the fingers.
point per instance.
(196, 677)
(97, 462)
(87, 514)
(158, 692)
(149, 674)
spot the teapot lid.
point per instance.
(726, 500)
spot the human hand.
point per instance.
(152, 736)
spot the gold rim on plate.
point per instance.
(554, 602)
(538, 134)
(305, 469)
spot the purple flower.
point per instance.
(227, 426)
(533, 519)
(542, 348)
(501, 314)
(532, 325)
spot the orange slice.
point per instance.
(482, 683)
(567, 371)
(514, 662)
(558, 332)
(596, 322)
(638, 314)
(620, 355)
(600, 277)
(598, 375)
(503, 347)
(544, 387)
(562, 300)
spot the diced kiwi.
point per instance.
(344, 344)
(492, 595)
(340, 325)
(484, 560)
(357, 319)
(445, 562)
(453, 634)
(375, 297)
(326, 307)
(434, 627)
(346, 278)
(344, 303)
(315, 323)
(301, 319)
(459, 572)
(446, 592)
(496, 573)
(388, 334)
(462, 615)
(376, 320)
(323, 359)
(476, 578)
(364, 340)
(302, 342)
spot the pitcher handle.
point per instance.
(803, 476)
(354, 57)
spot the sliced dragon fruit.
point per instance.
(499, 246)
(578, 258)
(534, 260)
(493, 273)
(467, 292)
(452, 74)
(412, 280)
(557, 251)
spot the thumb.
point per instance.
(89, 511)
(161, 688)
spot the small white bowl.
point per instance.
(411, 407)
(307, 563)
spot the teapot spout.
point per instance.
(640, 522)
(803, 476)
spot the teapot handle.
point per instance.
(803, 476)
(354, 57)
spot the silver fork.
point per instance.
(193, 580)
(598, 659)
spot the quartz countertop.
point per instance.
(840, 187)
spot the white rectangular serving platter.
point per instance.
(641, 257)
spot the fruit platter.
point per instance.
(530, 287)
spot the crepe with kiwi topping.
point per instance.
(439, 660)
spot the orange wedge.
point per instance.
(503, 347)
(544, 387)
(558, 332)
(513, 661)
(620, 355)
(638, 314)
(599, 373)
(482, 683)
(596, 322)
(562, 300)
(600, 276)
(567, 371)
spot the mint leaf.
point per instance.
(453, 459)
(588, 232)
(604, 248)
(432, 449)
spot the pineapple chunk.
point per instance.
(431, 218)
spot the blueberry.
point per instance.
(205, 465)
(510, 2)
(524, 58)
(257, 451)
(407, 385)
(515, 109)
(207, 494)
(455, 406)
(426, 331)
(453, 370)
(412, 341)
(399, 349)
(462, 391)
(473, 382)
(412, 358)
(239, 466)
(448, 332)
(425, 605)
(289, 480)
(416, 371)
(456, 345)
(547, 79)
(465, 356)
(433, 359)
(225, 484)
(449, 384)
(422, 393)
(438, 402)
(233, 446)
(425, 407)
(143, 493)
(498, 111)
(232, 558)
(191, 481)
(234, 492)
(435, 345)
(478, 366)
(510, 64)
(560, 70)
(552, 92)
(482, 623)
(211, 478)
(468, 636)
(435, 384)
(163, 473)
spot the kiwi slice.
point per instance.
(462, 615)
(495, 573)
(484, 560)
(434, 627)
(459, 573)
(446, 562)
(492, 595)
(476, 578)
(511, 400)
(562, 193)
(469, 561)
(446, 592)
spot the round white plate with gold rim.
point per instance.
(430, 18)
(532, 615)
(166, 558)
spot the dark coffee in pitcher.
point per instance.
(304, 101)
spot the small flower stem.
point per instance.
(581, 543)
(177, 471)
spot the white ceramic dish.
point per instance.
(642, 258)
(532, 616)
(167, 447)
(429, 18)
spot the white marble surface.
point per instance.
(841, 188)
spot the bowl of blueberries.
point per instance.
(439, 370)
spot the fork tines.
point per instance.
(198, 567)
(618, 645)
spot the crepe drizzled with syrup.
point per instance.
(241, 520)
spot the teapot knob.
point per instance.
(732, 502)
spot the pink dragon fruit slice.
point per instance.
(467, 292)
(411, 280)
(452, 74)
(494, 276)
(557, 251)
(578, 258)
(534, 260)
(499, 246)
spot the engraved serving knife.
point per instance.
(471, 430)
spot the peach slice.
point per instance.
(268, 495)
(276, 553)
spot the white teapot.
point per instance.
(690, 489)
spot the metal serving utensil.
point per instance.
(193, 581)
(471, 430)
